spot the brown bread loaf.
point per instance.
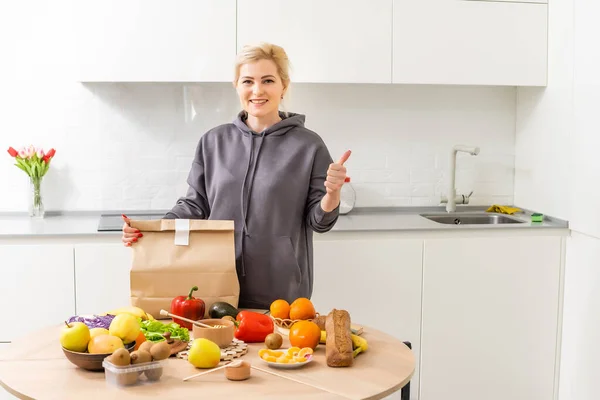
(338, 347)
(320, 321)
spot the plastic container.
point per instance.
(347, 197)
(130, 375)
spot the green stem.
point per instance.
(192, 291)
(37, 194)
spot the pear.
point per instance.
(204, 353)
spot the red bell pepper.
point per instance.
(253, 327)
(188, 307)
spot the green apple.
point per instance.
(75, 336)
(204, 353)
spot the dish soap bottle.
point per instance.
(347, 197)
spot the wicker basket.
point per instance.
(287, 323)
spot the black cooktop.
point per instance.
(114, 222)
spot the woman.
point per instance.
(269, 174)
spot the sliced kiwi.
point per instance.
(160, 351)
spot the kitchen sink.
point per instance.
(472, 219)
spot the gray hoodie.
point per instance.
(271, 184)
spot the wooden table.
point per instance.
(35, 367)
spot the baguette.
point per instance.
(338, 347)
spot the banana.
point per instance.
(359, 344)
(135, 311)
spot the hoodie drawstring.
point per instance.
(250, 184)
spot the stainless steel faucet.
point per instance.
(451, 200)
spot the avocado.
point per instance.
(221, 309)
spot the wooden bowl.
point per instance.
(222, 336)
(90, 362)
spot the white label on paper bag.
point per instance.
(182, 232)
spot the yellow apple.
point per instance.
(126, 327)
(75, 336)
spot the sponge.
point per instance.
(537, 217)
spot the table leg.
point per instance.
(405, 391)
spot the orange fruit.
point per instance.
(305, 351)
(305, 334)
(280, 309)
(302, 308)
(292, 351)
(141, 338)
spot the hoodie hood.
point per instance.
(287, 123)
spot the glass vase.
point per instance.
(36, 204)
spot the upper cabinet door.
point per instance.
(326, 40)
(155, 40)
(470, 42)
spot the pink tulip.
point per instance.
(30, 151)
(22, 153)
(40, 153)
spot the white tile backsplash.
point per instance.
(130, 146)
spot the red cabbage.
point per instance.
(96, 321)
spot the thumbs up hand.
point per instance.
(336, 174)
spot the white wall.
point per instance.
(545, 122)
(129, 146)
(557, 172)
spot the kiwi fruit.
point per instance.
(146, 346)
(128, 378)
(120, 357)
(140, 356)
(153, 374)
(160, 351)
(273, 341)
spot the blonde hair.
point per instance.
(264, 51)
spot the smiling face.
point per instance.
(260, 89)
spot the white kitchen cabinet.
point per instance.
(102, 277)
(36, 287)
(377, 280)
(154, 40)
(512, 1)
(470, 42)
(490, 317)
(326, 40)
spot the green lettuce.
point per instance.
(154, 330)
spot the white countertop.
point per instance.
(364, 219)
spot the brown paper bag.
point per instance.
(175, 255)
